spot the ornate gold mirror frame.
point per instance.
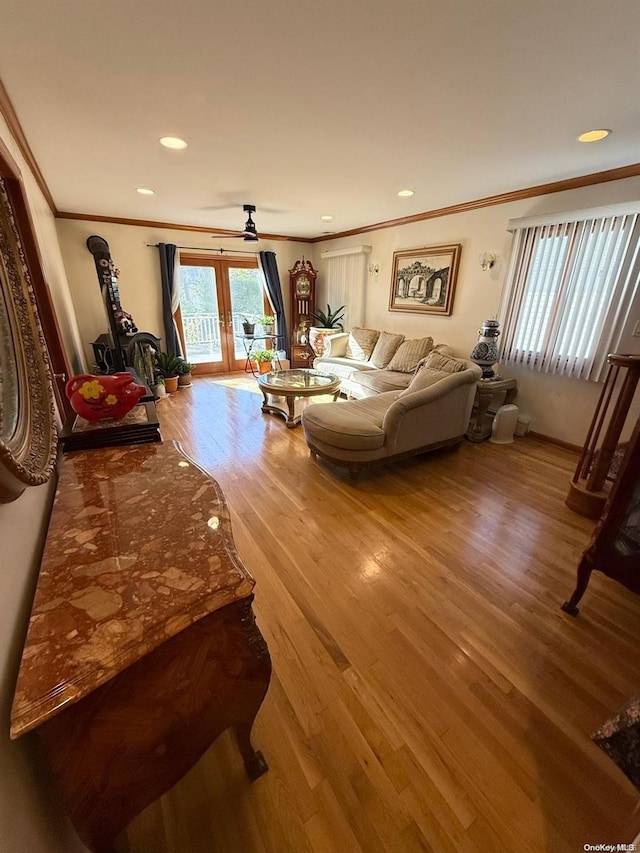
(27, 432)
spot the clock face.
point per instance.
(303, 286)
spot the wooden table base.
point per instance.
(127, 743)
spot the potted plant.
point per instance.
(267, 323)
(184, 373)
(327, 324)
(247, 326)
(263, 358)
(168, 366)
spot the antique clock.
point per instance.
(302, 281)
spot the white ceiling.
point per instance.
(310, 108)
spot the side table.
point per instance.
(249, 341)
(480, 425)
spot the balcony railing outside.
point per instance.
(202, 337)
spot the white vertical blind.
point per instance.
(570, 287)
(346, 283)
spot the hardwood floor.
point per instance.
(428, 694)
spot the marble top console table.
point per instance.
(142, 646)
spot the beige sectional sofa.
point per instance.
(432, 412)
(369, 361)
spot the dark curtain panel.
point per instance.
(167, 267)
(272, 279)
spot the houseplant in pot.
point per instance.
(247, 326)
(267, 323)
(263, 358)
(168, 366)
(326, 325)
(184, 373)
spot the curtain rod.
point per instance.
(208, 249)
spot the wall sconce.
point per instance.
(487, 260)
(373, 269)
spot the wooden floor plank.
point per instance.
(428, 693)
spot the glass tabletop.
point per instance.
(301, 378)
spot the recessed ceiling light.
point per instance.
(405, 193)
(145, 191)
(327, 218)
(172, 142)
(593, 135)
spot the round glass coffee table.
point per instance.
(282, 389)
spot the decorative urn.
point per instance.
(485, 352)
(98, 397)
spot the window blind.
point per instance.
(569, 290)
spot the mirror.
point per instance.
(27, 435)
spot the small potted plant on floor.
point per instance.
(263, 358)
(267, 323)
(326, 325)
(168, 366)
(184, 373)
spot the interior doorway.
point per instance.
(216, 296)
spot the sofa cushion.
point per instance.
(341, 367)
(378, 381)
(356, 425)
(385, 349)
(424, 378)
(409, 354)
(361, 343)
(445, 363)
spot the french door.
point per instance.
(216, 296)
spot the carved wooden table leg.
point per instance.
(584, 574)
(128, 742)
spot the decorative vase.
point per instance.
(171, 383)
(268, 330)
(317, 335)
(485, 352)
(96, 398)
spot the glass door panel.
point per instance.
(216, 295)
(200, 314)
(247, 303)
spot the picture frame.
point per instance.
(423, 280)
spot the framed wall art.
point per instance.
(424, 280)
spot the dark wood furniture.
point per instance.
(142, 646)
(138, 426)
(302, 288)
(615, 547)
(588, 490)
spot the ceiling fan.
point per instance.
(249, 233)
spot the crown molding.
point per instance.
(175, 226)
(631, 171)
(15, 128)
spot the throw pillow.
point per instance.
(445, 363)
(424, 378)
(361, 343)
(409, 354)
(385, 349)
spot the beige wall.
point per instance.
(30, 819)
(558, 406)
(139, 281)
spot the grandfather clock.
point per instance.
(302, 284)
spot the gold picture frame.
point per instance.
(27, 431)
(423, 280)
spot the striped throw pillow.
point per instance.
(409, 353)
(361, 343)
